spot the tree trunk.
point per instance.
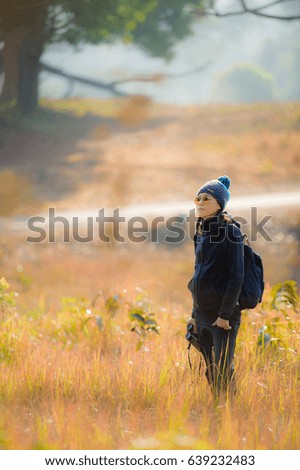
(28, 70)
(21, 56)
(10, 53)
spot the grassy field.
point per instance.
(74, 376)
(72, 373)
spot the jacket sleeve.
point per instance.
(234, 258)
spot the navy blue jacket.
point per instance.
(219, 267)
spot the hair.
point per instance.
(227, 217)
(224, 217)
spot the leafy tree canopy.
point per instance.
(153, 24)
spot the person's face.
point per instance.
(206, 205)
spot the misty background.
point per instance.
(78, 154)
(267, 50)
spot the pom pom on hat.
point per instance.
(225, 180)
(218, 189)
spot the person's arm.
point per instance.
(234, 256)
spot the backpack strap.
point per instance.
(190, 362)
(189, 357)
(246, 239)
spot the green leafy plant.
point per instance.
(7, 299)
(284, 300)
(263, 337)
(143, 323)
(23, 278)
(284, 295)
(112, 304)
(72, 320)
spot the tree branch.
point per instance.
(259, 11)
(271, 4)
(95, 83)
(158, 77)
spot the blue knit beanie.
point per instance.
(218, 189)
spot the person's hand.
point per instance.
(221, 323)
(192, 321)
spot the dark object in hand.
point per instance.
(193, 337)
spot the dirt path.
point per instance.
(288, 200)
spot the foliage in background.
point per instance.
(143, 323)
(7, 299)
(26, 27)
(282, 324)
(244, 84)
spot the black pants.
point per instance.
(217, 348)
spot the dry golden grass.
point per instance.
(66, 384)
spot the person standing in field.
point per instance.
(217, 283)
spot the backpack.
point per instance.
(253, 285)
